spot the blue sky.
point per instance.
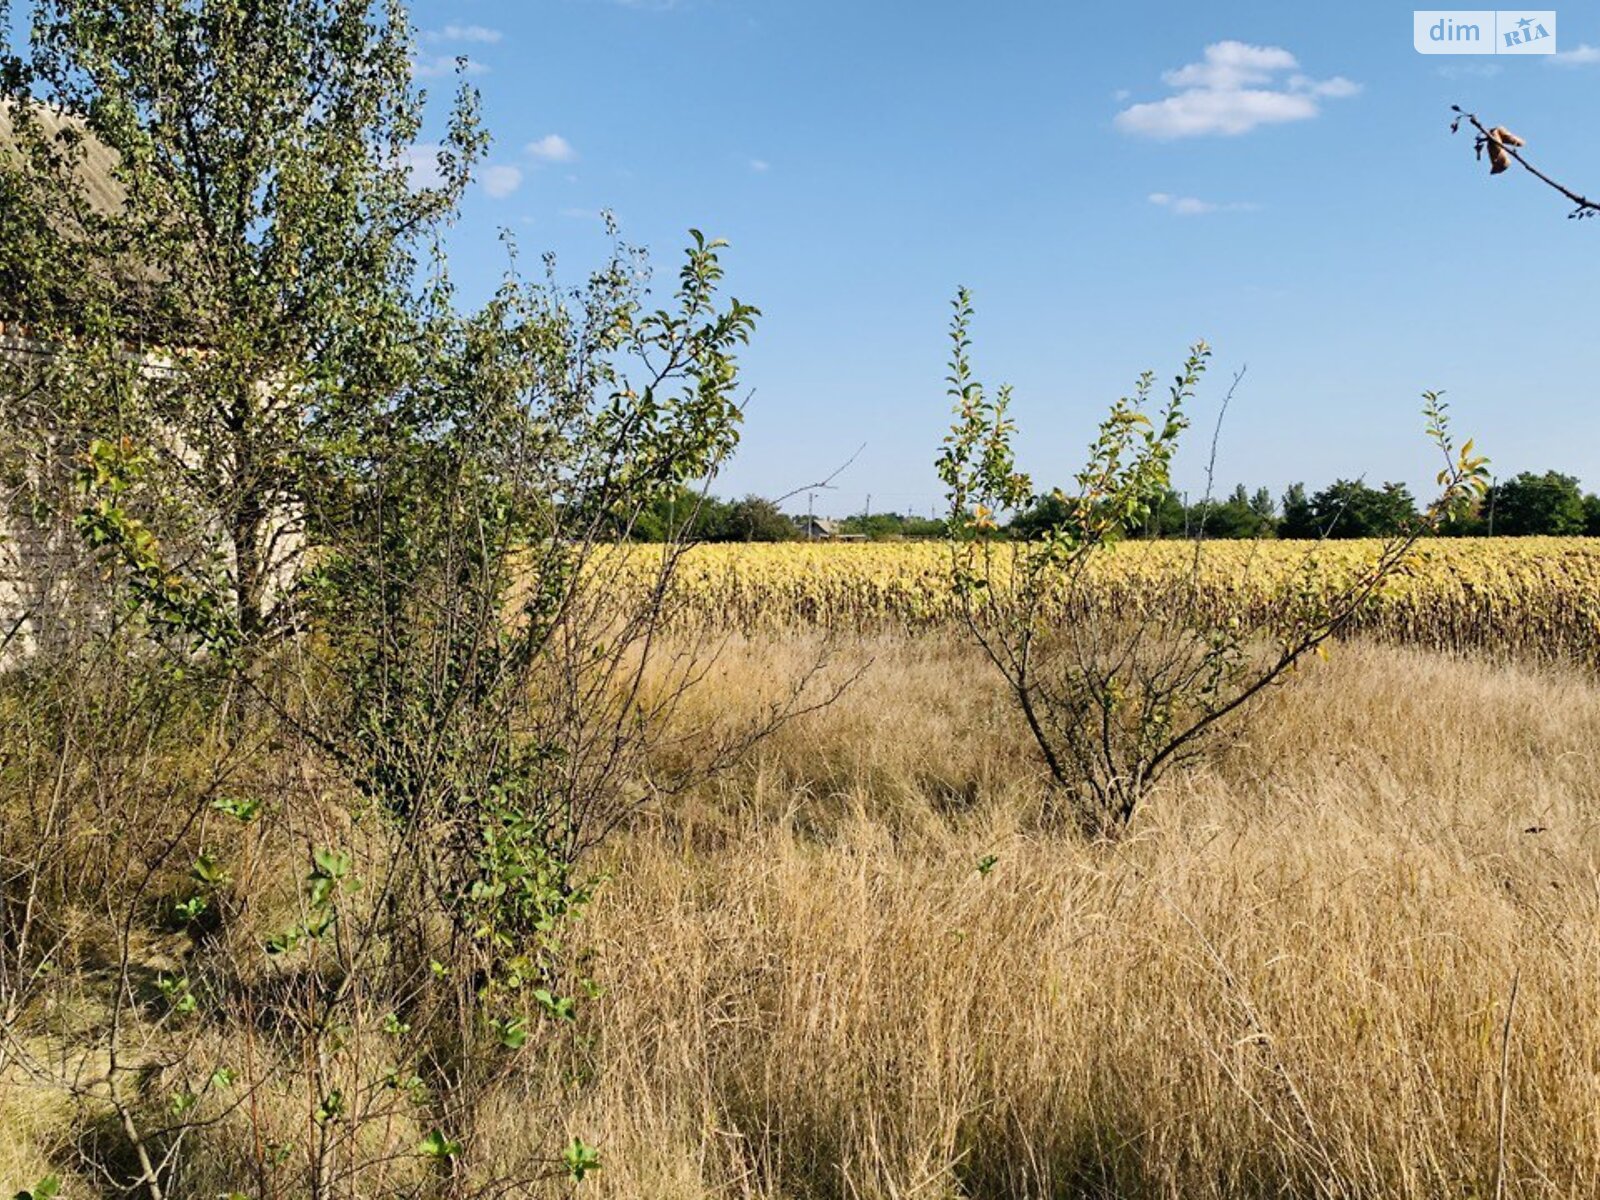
(1111, 181)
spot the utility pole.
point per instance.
(1492, 491)
(811, 517)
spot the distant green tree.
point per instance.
(1046, 512)
(755, 519)
(1299, 520)
(1162, 515)
(1591, 515)
(682, 513)
(1262, 504)
(1350, 509)
(1469, 522)
(892, 526)
(1529, 504)
(1167, 517)
(924, 527)
(1236, 517)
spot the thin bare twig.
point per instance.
(826, 481)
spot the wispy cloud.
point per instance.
(760, 165)
(1468, 70)
(500, 180)
(1234, 89)
(1585, 55)
(552, 147)
(478, 34)
(434, 66)
(1191, 206)
(422, 162)
(583, 214)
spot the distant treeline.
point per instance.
(756, 519)
(1527, 504)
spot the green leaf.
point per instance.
(334, 864)
(331, 1108)
(241, 809)
(513, 1033)
(562, 1008)
(46, 1189)
(580, 1158)
(437, 1146)
(207, 871)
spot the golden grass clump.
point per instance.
(862, 964)
(1292, 980)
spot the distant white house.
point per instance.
(44, 588)
(824, 529)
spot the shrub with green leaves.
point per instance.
(342, 536)
(1115, 698)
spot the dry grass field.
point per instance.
(859, 964)
(1295, 979)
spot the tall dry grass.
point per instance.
(1294, 980)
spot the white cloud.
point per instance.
(759, 165)
(500, 180)
(422, 161)
(1236, 88)
(434, 66)
(1337, 88)
(1228, 66)
(1199, 113)
(480, 34)
(1469, 71)
(1583, 56)
(583, 214)
(552, 147)
(1121, 95)
(1191, 206)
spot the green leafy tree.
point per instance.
(1114, 698)
(1266, 510)
(755, 519)
(387, 523)
(1041, 515)
(1167, 517)
(892, 526)
(683, 512)
(1591, 515)
(1299, 519)
(1239, 516)
(1551, 503)
(227, 188)
(1350, 509)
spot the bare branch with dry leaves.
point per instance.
(1504, 148)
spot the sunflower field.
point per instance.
(1538, 596)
